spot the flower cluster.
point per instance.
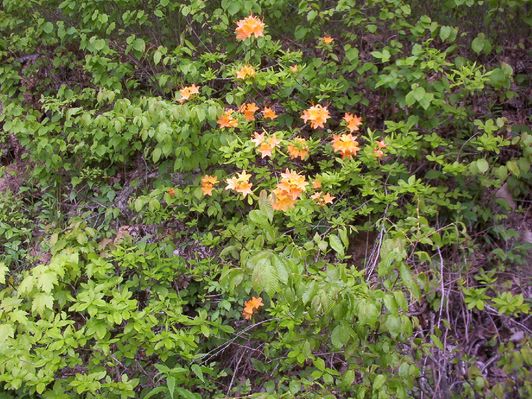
(322, 198)
(265, 145)
(207, 184)
(240, 184)
(345, 144)
(378, 149)
(298, 148)
(187, 92)
(353, 122)
(249, 26)
(317, 115)
(251, 306)
(227, 120)
(246, 71)
(248, 110)
(289, 189)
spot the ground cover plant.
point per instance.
(265, 199)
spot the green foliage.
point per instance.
(123, 273)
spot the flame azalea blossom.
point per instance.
(282, 200)
(249, 26)
(345, 144)
(353, 122)
(269, 113)
(378, 150)
(265, 145)
(227, 120)
(187, 92)
(240, 184)
(207, 184)
(327, 39)
(249, 111)
(294, 68)
(317, 115)
(171, 192)
(251, 306)
(288, 190)
(316, 184)
(322, 199)
(298, 149)
(246, 71)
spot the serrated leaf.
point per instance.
(46, 281)
(41, 302)
(6, 331)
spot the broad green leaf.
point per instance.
(340, 335)
(3, 272)
(337, 245)
(482, 165)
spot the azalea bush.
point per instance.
(263, 199)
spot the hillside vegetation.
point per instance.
(265, 199)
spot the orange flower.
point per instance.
(171, 192)
(316, 184)
(240, 184)
(269, 113)
(345, 144)
(353, 122)
(226, 120)
(282, 201)
(250, 306)
(246, 71)
(288, 190)
(187, 92)
(317, 115)
(327, 39)
(381, 144)
(298, 149)
(322, 199)
(207, 184)
(294, 68)
(265, 145)
(293, 183)
(249, 26)
(378, 150)
(249, 111)
(258, 138)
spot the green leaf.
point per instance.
(170, 382)
(340, 335)
(445, 32)
(139, 45)
(41, 302)
(6, 331)
(482, 165)
(337, 245)
(157, 57)
(46, 281)
(48, 27)
(264, 275)
(156, 155)
(481, 44)
(378, 382)
(3, 272)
